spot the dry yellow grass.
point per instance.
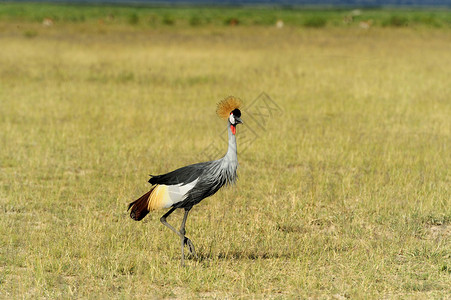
(344, 194)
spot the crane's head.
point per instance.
(229, 109)
(234, 119)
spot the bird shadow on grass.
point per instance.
(237, 254)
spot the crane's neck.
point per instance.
(231, 155)
(228, 164)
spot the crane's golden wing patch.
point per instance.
(164, 196)
(159, 198)
(226, 106)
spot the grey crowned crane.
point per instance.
(187, 186)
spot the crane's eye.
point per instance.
(232, 119)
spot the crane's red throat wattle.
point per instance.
(233, 128)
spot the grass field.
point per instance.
(344, 194)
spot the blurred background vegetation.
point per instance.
(153, 16)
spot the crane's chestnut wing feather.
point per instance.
(183, 175)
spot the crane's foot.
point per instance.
(190, 245)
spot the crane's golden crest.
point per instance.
(226, 106)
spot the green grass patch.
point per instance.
(315, 22)
(396, 21)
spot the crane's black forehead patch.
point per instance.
(236, 112)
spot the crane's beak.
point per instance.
(238, 120)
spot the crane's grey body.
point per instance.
(210, 176)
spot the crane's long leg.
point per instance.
(165, 223)
(182, 236)
(185, 240)
(180, 233)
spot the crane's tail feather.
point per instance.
(140, 207)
